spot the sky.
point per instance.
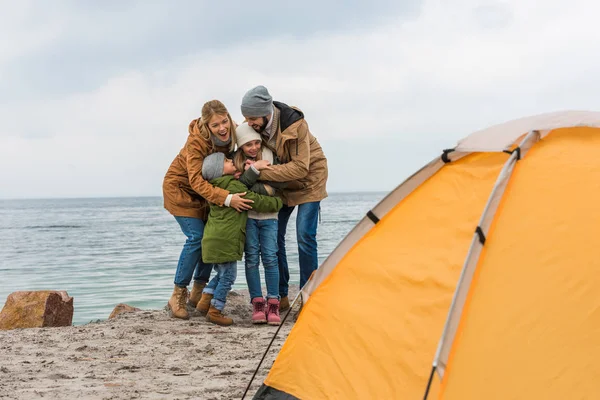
(96, 97)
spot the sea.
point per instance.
(106, 251)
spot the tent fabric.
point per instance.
(269, 393)
(379, 211)
(501, 136)
(386, 301)
(530, 323)
(531, 327)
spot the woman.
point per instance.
(186, 196)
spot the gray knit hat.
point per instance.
(212, 166)
(257, 102)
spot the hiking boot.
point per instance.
(259, 315)
(196, 293)
(273, 312)
(216, 317)
(284, 304)
(176, 303)
(204, 303)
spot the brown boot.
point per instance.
(284, 304)
(177, 303)
(204, 303)
(216, 317)
(196, 293)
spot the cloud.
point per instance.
(386, 95)
(78, 45)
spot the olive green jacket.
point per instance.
(225, 232)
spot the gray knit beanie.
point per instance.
(212, 166)
(257, 102)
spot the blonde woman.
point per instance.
(186, 196)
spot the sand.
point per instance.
(144, 354)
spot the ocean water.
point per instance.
(105, 251)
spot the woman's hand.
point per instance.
(240, 204)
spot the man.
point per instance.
(285, 131)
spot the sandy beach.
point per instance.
(144, 354)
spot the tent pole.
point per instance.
(464, 282)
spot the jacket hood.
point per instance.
(194, 126)
(287, 117)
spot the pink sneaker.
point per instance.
(273, 312)
(258, 311)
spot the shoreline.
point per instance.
(142, 354)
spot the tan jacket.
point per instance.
(185, 192)
(301, 158)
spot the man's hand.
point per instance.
(262, 164)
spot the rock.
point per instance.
(122, 308)
(37, 309)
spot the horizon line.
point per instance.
(155, 196)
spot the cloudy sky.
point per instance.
(96, 96)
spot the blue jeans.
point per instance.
(190, 259)
(261, 241)
(306, 234)
(221, 284)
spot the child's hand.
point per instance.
(269, 189)
(262, 164)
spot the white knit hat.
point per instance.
(245, 133)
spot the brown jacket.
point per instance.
(185, 192)
(301, 157)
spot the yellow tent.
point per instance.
(476, 278)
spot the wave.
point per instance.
(54, 227)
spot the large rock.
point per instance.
(37, 309)
(122, 308)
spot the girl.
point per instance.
(186, 193)
(261, 234)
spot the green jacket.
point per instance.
(225, 232)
